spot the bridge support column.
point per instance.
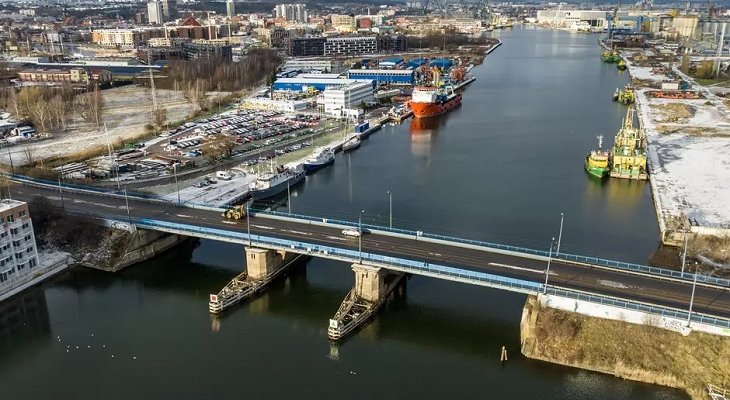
(262, 266)
(372, 287)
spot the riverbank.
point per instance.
(688, 141)
(642, 353)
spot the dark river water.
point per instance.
(501, 168)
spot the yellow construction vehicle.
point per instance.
(236, 212)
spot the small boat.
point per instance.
(352, 144)
(596, 162)
(616, 94)
(323, 157)
(621, 65)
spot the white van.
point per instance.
(224, 175)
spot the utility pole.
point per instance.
(359, 236)
(126, 201)
(390, 206)
(288, 196)
(692, 298)
(547, 270)
(684, 253)
(560, 235)
(60, 191)
(248, 222)
(111, 157)
(177, 187)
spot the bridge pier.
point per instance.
(372, 287)
(262, 266)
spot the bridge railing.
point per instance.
(619, 265)
(595, 261)
(410, 266)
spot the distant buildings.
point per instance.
(68, 76)
(169, 9)
(338, 100)
(154, 12)
(194, 51)
(291, 12)
(345, 45)
(230, 8)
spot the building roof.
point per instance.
(7, 204)
(190, 21)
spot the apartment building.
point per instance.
(18, 250)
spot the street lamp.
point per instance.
(547, 270)
(248, 222)
(560, 235)
(177, 187)
(390, 207)
(692, 298)
(288, 196)
(684, 254)
(359, 236)
(126, 201)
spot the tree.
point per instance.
(160, 117)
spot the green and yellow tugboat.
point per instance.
(610, 56)
(625, 95)
(596, 162)
(621, 65)
(628, 155)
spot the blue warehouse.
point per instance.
(300, 84)
(392, 76)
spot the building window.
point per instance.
(25, 225)
(14, 231)
(16, 243)
(18, 255)
(20, 267)
(27, 238)
(11, 218)
(4, 234)
(3, 277)
(32, 263)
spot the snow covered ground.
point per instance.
(689, 163)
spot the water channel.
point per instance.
(501, 168)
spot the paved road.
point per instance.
(708, 300)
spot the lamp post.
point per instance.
(547, 270)
(692, 298)
(126, 201)
(684, 254)
(177, 187)
(359, 236)
(288, 196)
(60, 191)
(390, 208)
(248, 223)
(560, 235)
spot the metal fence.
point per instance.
(594, 261)
(421, 268)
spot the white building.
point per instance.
(291, 12)
(339, 100)
(154, 12)
(18, 251)
(324, 65)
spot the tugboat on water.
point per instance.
(596, 162)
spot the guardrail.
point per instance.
(593, 261)
(434, 270)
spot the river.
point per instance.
(502, 168)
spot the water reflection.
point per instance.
(423, 133)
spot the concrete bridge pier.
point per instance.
(373, 286)
(262, 266)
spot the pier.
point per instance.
(372, 289)
(262, 267)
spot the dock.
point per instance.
(465, 82)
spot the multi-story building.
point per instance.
(343, 23)
(306, 46)
(194, 51)
(18, 251)
(323, 65)
(291, 12)
(230, 9)
(169, 9)
(392, 43)
(381, 76)
(154, 12)
(71, 76)
(347, 45)
(126, 38)
(337, 100)
(275, 37)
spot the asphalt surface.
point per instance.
(714, 301)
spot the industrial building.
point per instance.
(18, 251)
(382, 76)
(339, 99)
(303, 84)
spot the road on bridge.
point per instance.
(714, 301)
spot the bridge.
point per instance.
(380, 258)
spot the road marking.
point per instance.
(297, 232)
(271, 228)
(229, 222)
(537, 271)
(342, 239)
(183, 216)
(613, 284)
